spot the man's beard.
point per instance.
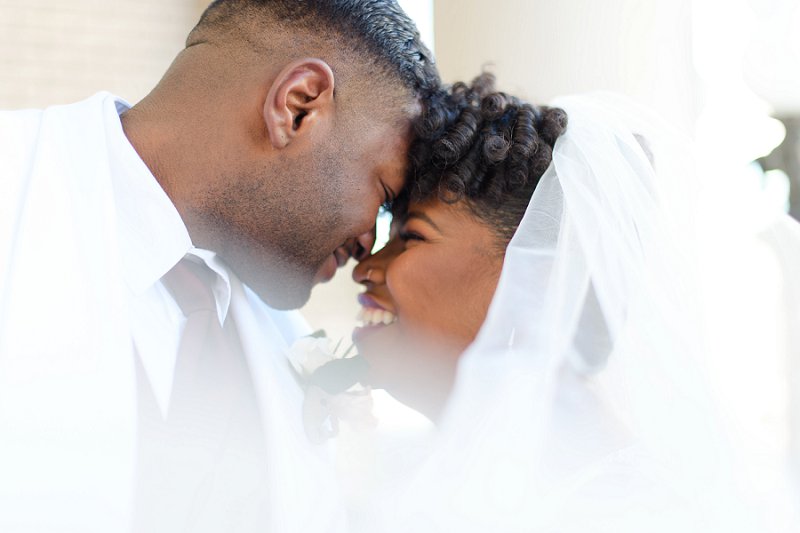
(280, 271)
(282, 286)
(282, 280)
(275, 243)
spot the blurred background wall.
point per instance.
(542, 49)
(56, 51)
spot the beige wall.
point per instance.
(55, 51)
(544, 48)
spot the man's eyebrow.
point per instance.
(423, 217)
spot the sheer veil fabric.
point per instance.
(586, 402)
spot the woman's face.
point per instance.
(427, 294)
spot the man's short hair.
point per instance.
(377, 32)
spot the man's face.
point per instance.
(364, 167)
(279, 224)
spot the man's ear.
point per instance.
(297, 99)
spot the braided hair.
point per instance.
(485, 148)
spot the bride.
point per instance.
(428, 290)
(540, 299)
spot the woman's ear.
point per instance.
(300, 95)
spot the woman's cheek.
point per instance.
(401, 284)
(409, 282)
(417, 317)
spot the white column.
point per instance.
(421, 11)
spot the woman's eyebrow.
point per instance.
(423, 217)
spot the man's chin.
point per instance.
(282, 292)
(285, 297)
(281, 284)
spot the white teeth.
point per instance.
(372, 317)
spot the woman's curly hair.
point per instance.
(483, 147)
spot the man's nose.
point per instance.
(358, 248)
(363, 245)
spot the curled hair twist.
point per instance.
(484, 147)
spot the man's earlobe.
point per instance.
(300, 95)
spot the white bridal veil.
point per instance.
(587, 402)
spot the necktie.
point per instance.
(203, 468)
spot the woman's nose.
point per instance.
(371, 270)
(368, 271)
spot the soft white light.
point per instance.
(421, 11)
(382, 226)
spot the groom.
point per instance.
(251, 170)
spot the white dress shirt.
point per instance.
(144, 211)
(86, 233)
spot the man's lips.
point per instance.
(341, 254)
(337, 259)
(327, 270)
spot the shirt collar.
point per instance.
(152, 235)
(222, 287)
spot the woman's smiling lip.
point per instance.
(372, 316)
(366, 300)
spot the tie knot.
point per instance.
(190, 284)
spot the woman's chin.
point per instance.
(413, 368)
(380, 345)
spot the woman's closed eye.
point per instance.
(416, 228)
(410, 236)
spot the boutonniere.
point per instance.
(333, 387)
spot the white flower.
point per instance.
(322, 411)
(309, 353)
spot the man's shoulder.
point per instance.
(31, 112)
(19, 127)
